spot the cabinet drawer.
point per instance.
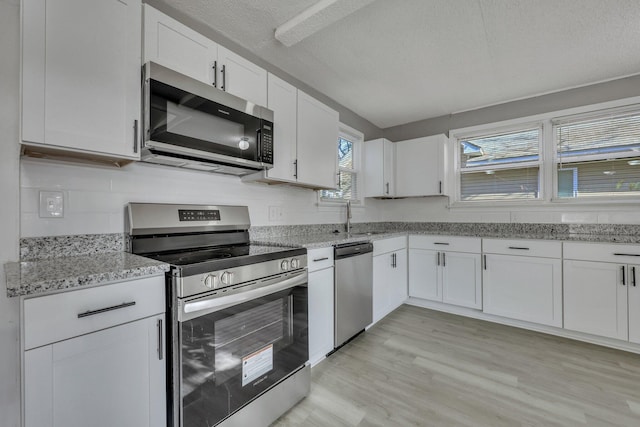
(538, 248)
(53, 318)
(605, 252)
(320, 258)
(392, 244)
(446, 243)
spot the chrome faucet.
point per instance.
(348, 216)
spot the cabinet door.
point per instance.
(595, 300)
(176, 46)
(634, 303)
(114, 377)
(283, 100)
(462, 279)
(241, 77)
(81, 81)
(419, 165)
(320, 314)
(399, 285)
(382, 290)
(523, 288)
(317, 143)
(424, 275)
(378, 172)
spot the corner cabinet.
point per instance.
(389, 275)
(84, 366)
(601, 295)
(178, 47)
(411, 168)
(81, 77)
(446, 269)
(522, 279)
(306, 132)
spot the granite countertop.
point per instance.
(320, 240)
(65, 273)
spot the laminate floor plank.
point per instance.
(419, 367)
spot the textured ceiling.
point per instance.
(398, 61)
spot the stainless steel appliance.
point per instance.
(239, 333)
(353, 289)
(193, 125)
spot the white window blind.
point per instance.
(598, 156)
(500, 166)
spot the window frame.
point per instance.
(357, 139)
(548, 157)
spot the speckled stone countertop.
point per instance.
(323, 240)
(65, 273)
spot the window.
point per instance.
(349, 143)
(500, 166)
(598, 155)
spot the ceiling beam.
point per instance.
(316, 18)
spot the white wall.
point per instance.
(9, 84)
(95, 196)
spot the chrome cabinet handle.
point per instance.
(444, 259)
(135, 136)
(438, 261)
(160, 340)
(224, 78)
(440, 243)
(520, 248)
(623, 254)
(104, 310)
(484, 257)
(624, 281)
(321, 259)
(215, 73)
(295, 168)
(387, 188)
(633, 276)
(440, 187)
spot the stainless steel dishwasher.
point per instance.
(353, 289)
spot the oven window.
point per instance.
(231, 356)
(179, 118)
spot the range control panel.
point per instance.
(199, 215)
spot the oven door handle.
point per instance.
(204, 306)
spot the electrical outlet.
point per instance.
(51, 204)
(275, 213)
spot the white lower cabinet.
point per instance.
(114, 375)
(321, 303)
(389, 275)
(446, 269)
(523, 280)
(601, 295)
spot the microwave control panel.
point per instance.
(267, 143)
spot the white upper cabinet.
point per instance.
(283, 100)
(81, 76)
(420, 166)
(169, 43)
(241, 77)
(379, 168)
(317, 158)
(411, 168)
(176, 46)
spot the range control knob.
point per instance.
(227, 278)
(295, 263)
(284, 265)
(211, 281)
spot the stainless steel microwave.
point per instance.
(190, 124)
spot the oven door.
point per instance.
(235, 347)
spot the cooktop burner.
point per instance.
(202, 255)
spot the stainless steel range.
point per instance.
(239, 336)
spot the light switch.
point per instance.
(51, 204)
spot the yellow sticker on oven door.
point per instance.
(257, 364)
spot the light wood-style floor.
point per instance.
(424, 368)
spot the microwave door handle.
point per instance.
(259, 140)
(201, 307)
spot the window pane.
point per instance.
(513, 147)
(599, 178)
(347, 190)
(345, 153)
(605, 136)
(503, 184)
